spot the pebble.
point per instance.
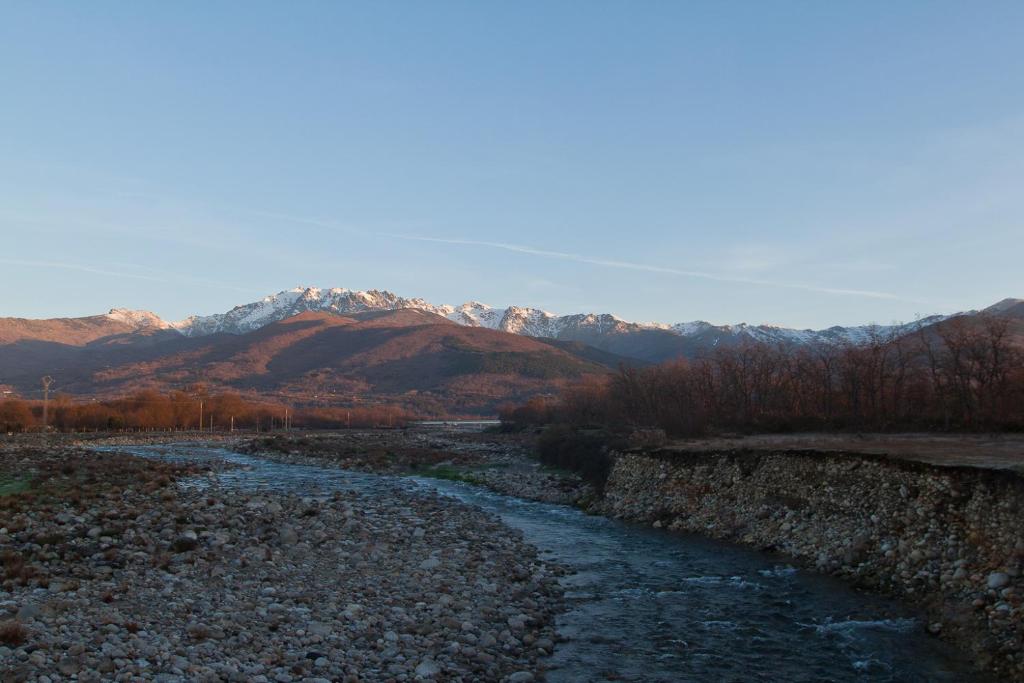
(997, 580)
(427, 669)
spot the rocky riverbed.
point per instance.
(498, 463)
(112, 570)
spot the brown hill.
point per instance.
(412, 357)
(71, 331)
(974, 331)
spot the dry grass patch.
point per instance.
(13, 633)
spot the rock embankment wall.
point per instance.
(950, 538)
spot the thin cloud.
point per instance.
(650, 268)
(78, 267)
(301, 220)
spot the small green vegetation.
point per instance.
(11, 485)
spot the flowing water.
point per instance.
(647, 605)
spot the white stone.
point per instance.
(427, 669)
(997, 580)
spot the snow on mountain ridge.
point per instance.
(138, 319)
(514, 319)
(474, 314)
(1004, 305)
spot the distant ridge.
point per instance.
(532, 322)
(650, 342)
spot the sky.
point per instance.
(794, 163)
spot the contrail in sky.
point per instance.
(631, 265)
(608, 263)
(80, 268)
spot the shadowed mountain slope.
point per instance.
(408, 356)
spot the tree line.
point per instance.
(180, 410)
(966, 373)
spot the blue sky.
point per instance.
(799, 163)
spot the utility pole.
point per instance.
(47, 381)
(232, 424)
(200, 414)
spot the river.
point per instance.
(648, 605)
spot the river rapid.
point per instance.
(648, 605)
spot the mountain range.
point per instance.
(651, 342)
(338, 345)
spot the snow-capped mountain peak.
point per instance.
(473, 314)
(287, 303)
(138, 319)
